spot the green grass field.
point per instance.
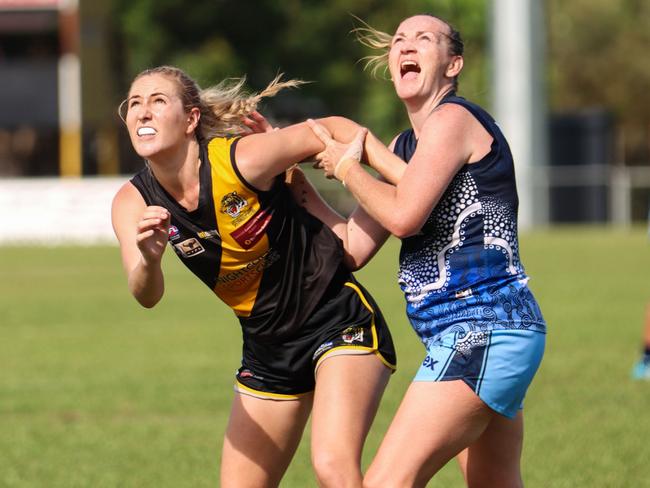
(98, 392)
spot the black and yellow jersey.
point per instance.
(259, 251)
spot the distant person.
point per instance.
(313, 339)
(455, 208)
(641, 369)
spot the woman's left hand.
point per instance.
(327, 159)
(336, 152)
(257, 123)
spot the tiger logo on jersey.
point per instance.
(233, 204)
(352, 334)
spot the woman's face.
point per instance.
(155, 117)
(418, 57)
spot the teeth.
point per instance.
(409, 63)
(146, 131)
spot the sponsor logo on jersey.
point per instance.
(189, 247)
(324, 347)
(247, 373)
(240, 279)
(209, 234)
(352, 334)
(464, 293)
(429, 363)
(174, 233)
(252, 231)
(233, 204)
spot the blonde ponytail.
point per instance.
(225, 106)
(374, 39)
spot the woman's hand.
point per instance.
(152, 233)
(337, 157)
(257, 123)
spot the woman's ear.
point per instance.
(193, 119)
(454, 67)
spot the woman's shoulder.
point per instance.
(127, 196)
(447, 116)
(455, 103)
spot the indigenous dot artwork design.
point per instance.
(500, 227)
(509, 306)
(470, 341)
(425, 268)
(428, 264)
(461, 273)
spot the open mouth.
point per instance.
(409, 69)
(146, 131)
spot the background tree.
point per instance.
(597, 54)
(310, 40)
(598, 57)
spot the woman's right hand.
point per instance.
(152, 233)
(336, 158)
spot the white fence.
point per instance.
(55, 211)
(621, 183)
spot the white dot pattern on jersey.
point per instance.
(427, 269)
(500, 228)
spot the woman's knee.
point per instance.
(335, 468)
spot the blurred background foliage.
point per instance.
(309, 40)
(596, 54)
(598, 57)
(594, 62)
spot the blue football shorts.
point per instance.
(498, 365)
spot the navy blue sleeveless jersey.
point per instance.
(462, 271)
